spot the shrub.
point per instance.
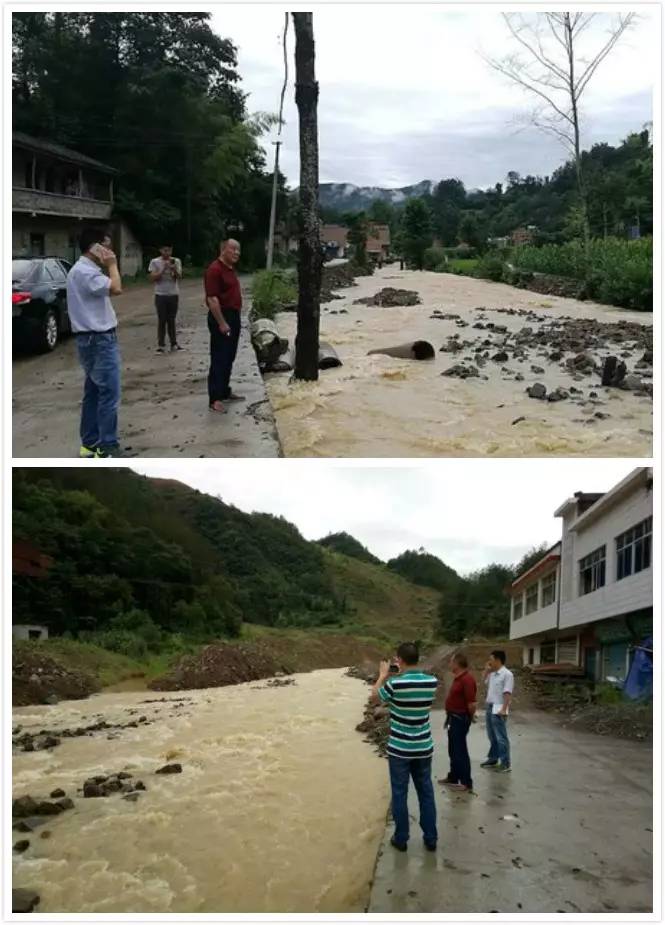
(434, 257)
(615, 271)
(490, 267)
(271, 291)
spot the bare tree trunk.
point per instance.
(581, 188)
(309, 257)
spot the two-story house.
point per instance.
(590, 598)
(55, 192)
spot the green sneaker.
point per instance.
(87, 452)
(108, 454)
(502, 769)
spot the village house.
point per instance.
(524, 235)
(30, 562)
(589, 600)
(55, 193)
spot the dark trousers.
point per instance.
(458, 752)
(167, 309)
(100, 359)
(420, 771)
(223, 349)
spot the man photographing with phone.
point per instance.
(94, 323)
(410, 693)
(165, 271)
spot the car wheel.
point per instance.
(49, 335)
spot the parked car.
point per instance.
(39, 302)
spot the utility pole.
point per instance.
(309, 252)
(273, 201)
(273, 208)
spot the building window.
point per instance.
(532, 598)
(634, 549)
(517, 607)
(592, 571)
(547, 653)
(549, 589)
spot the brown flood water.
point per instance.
(281, 806)
(379, 406)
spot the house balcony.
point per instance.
(40, 202)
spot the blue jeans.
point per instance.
(497, 732)
(100, 358)
(420, 770)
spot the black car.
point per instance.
(39, 302)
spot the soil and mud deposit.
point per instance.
(515, 373)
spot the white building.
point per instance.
(590, 598)
(29, 631)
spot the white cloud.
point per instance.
(468, 512)
(406, 96)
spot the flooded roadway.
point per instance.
(280, 807)
(379, 406)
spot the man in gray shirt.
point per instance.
(94, 324)
(165, 271)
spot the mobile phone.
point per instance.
(394, 669)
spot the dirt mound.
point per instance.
(391, 297)
(217, 666)
(37, 678)
(338, 277)
(622, 720)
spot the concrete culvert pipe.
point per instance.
(413, 350)
(328, 357)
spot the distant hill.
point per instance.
(123, 542)
(349, 546)
(348, 197)
(422, 568)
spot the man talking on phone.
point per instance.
(410, 694)
(94, 323)
(224, 302)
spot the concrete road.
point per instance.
(164, 409)
(577, 838)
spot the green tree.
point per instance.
(416, 231)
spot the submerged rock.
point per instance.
(24, 900)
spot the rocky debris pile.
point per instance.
(103, 785)
(37, 678)
(174, 768)
(275, 682)
(389, 297)
(24, 900)
(50, 738)
(538, 390)
(218, 665)
(376, 726)
(367, 671)
(462, 371)
(621, 720)
(27, 807)
(338, 277)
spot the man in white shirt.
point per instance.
(165, 271)
(500, 682)
(93, 321)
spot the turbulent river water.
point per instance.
(379, 406)
(280, 806)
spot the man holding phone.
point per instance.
(165, 271)
(410, 693)
(224, 303)
(94, 323)
(500, 682)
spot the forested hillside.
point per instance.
(155, 555)
(349, 546)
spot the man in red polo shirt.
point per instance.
(460, 709)
(224, 301)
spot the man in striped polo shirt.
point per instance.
(410, 694)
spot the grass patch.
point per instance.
(108, 667)
(463, 267)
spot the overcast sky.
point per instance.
(405, 95)
(467, 512)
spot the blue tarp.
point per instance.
(639, 683)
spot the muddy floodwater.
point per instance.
(280, 806)
(380, 406)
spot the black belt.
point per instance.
(108, 331)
